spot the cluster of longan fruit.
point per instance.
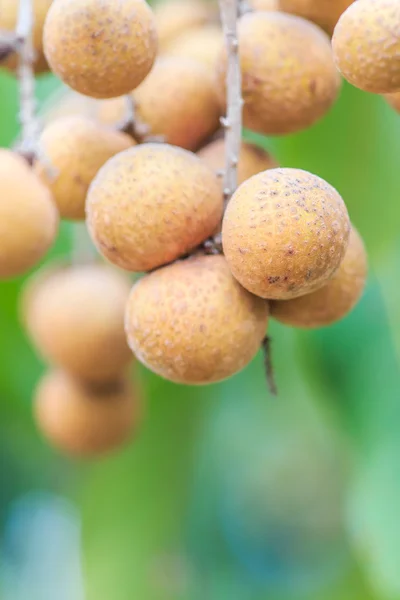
(150, 189)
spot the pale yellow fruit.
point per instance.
(366, 45)
(65, 102)
(192, 323)
(152, 204)
(100, 49)
(335, 299)
(202, 44)
(28, 216)
(76, 147)
(177, 16)
(75, 317)
(284, 233)
(81, 420)
(289, 79)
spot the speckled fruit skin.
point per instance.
(393, 100)
(76, 147)
(8, 21)
(75, 318)
(252, 159)
(289, 80)
(324, 13)
(202, 44)
(366, 45)
(152, 204)
(192, 323)
(100, 49)
(176, 16)
(84, 421)
(28, 216)
(335, 299)
(284, 233)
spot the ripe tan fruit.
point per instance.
(284, 233)
(191, 322)
(76, 147)
(177, 205)
(393, 100)
(81, 420)
(289, 79)
(265, 4)
(252, 159)
(202, 44)
(75, 317)
(101, 49)
(177, 16)
(28, 216)
(8, 20)
(366, 45)
(335, 299)
(324, 13)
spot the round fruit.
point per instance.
(191, 322)
(9, 10)
(252, 159)
(289, 80)
(82, 420)
(202, 44)
(101, 49)
(76, 147)
(335, 299)
(152, 204)
(75, 318)
(177, 16)
(28, 216)
(366, 45)
(64, 102)
(393, 100)
(324, 13)
(284, 233)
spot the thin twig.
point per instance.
(269, 369)
(131, 125)
(8, 44)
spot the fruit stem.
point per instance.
(269, 369)
(229, 10)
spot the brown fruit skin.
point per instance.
(177, 205)
(8, 20)
(366, 45)
(252, 159)
(84, 421)
(393, 100)
(284, 233)
(28, 216)
(324, 13)
(76, 147)
(177, 16)
(75, 317)
(335, 299)
(100, 49)
(289, 80)
(192, 323)
(202, 44)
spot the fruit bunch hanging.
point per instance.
(146, 148)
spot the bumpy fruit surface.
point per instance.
(176, 16)
(324, 13)
(191, 322)
(75, 317)
(393, 100)
(202, 44)
(252, 159)
(366, 45)
(289, 80)
(152, 204)
(101, 49)
(76, 147)
(284, 233)
(335, 299)
(81, 420)
(28, 216)
(8, 20)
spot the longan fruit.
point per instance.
(82, 420)
(202, 44)
(100, 49)
(265, 4)
(289, 79)
(9, 10)
(284, 233)
(177, 203)
(324, 13)
(75, 316)
(177, 16)
(28, 216)
(192, 323)
(366, 45)
(65, 102)
(335, 299)
(393, 100)
(76, 147)
(252, 159)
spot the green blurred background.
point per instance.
(227, 492)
